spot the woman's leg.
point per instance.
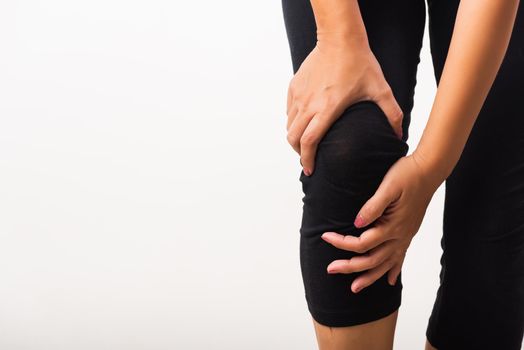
(351, 161)
(480, 301)
(377, 334)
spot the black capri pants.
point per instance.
(480, 299)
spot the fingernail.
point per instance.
(328, 235)
(307, 172)
(331, 270)
(359, 221)
(357, 289)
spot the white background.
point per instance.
(148, 196)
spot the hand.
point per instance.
(396, 210)
(336, 74)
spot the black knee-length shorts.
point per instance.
(480, 300)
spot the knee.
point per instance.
(359, 148)
(351, 161)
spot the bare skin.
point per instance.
(340, 70)
(429, 346)
(480, 39)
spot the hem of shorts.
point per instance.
(432, 338)
(356, 317)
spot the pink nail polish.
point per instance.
(359, 221)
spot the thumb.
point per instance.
(392, 110)
(375, 206)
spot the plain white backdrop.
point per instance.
(148, 196)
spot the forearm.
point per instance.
(339, 22)
(478, 45)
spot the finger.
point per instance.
(297, 127)
(375, 206)
(367, 261)
(314, 132)
(392, 110)
(393, 273)
(289, 98)
(369, 239)
(370, 277)
(291, 115)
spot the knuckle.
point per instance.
(292, 139)
(390, 189)
(383, 92)
(361, 247)
(398, 116)
(304, 107)
(389, 261)
(373, 260)
(397, 256)
(368, 210)
(308, 139)
(292, 85)
(392, 263)
(298, 103)
(394, 231)
(347, 266)
(296, 94)
(328, 103)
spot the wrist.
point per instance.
(342, 41)
(339, 22)
(434, 172)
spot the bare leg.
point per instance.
(375, 335)
(429, 346)
(350, 163)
